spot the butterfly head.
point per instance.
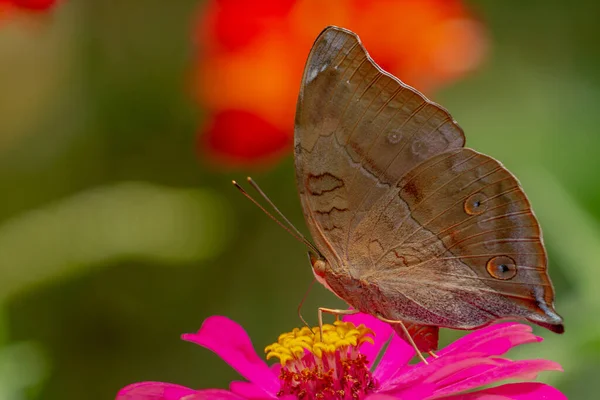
(319, 265)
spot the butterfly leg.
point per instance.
(432, 354)
(407, 334)
(332, 311)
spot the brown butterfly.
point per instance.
(410, 226)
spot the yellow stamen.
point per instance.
(292, 345)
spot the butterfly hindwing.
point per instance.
(469, 250)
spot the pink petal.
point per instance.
(464, 370)
(412, 392)
(248, 390)
(153, 391)
(495, 339)
(213, 394)
(516, 369)
(397, 355)
(411, 374)
(514, 391)
(440, 371)
(276, 369)
(382, 331)
(231, 342)
(379, 396)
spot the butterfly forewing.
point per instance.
(358, 131)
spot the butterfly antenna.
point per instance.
(302, 303)
(295, 233)
(264, 196)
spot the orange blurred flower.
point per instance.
(251, 56)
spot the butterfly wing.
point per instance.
(396, 204)
(358, 130)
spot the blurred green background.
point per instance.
(115, 238)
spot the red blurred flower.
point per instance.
(7, 7)
(249, 137)
(30, 5)
(251, 56)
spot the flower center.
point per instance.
(329, 369)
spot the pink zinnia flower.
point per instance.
(341, 365)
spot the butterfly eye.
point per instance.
(319, 267)
(476, 204)
(502, 267)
